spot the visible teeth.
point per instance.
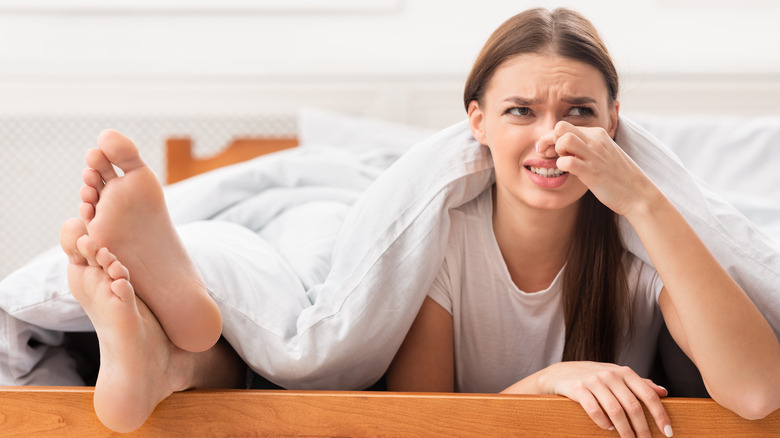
(547, 172)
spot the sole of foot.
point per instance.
(127, 215)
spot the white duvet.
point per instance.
(319, 258)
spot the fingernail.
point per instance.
(611, 428)
(668, 431)
(667, 391)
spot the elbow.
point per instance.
(755, 405)
(755, 412)
(758, 410)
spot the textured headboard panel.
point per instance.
(42, 158)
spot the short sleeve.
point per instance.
(648, 282)
(441, 289)
(656, 284)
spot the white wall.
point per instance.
(174, 58)
(67, 67)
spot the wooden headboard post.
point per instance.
(181, 164)
(177, 150)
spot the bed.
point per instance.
(67, 411)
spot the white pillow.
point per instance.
(748, 254)
(318, 126)
(737, 157)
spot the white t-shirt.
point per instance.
(502, 334)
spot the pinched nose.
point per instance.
(545, 145)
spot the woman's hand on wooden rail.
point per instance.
(611, 395)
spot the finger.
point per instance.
(583, 132)
(647, 392)
(545, 145)
(592, 407)
(613, 408)
(593, 138)
(571, 164)
(564, 127)
(581, 150)
(633, 408)
(565, 130)
(660, 390)
(570, 144)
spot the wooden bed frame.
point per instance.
(54, 411)
(180, 163)
(58, 412)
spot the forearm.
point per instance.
(726, 336)
(530, 385)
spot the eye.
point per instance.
(580, 111)
(520, 111)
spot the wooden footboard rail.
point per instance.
(49, 411)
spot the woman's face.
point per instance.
(526, 97)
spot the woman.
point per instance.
(536, 294)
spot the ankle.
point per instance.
(218, 367)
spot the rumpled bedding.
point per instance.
(319, 258)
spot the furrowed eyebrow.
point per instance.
(577, 100)
(521, 101)
(571, 100)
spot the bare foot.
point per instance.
(136, 357)
(127, 214)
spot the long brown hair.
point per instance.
(595, 301)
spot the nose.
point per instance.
(545, 145)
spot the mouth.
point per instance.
(546, 172)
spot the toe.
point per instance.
(88, 194)
(92, 178)
(104, 258)
(120, 150)
(97, 160)
(117, 270)
(113, 267)
(88, 249)
(70, 232)
(86, 211)
(89, 197)
(123, 289)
